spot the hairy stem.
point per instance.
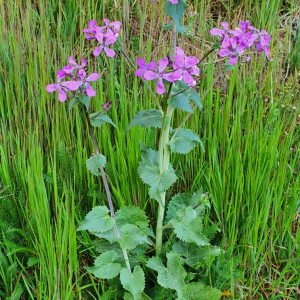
(104, 179)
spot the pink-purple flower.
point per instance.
(61, 87)
(160, 75)
(143, 66)
(104, 42)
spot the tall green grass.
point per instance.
(248, 126)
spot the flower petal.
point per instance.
(160, 88)
(62, 96)
(97, 50)
(90, 91)
(162, 64)
(89, 37)
(177, 75)
(109, 52)
(151, 65)
(216, 31)
(225, 52)
(150, 75)
(191, 61)
(72, 61)
(179, 51)
(51, 87)
(187, 78)
(224, 25)
(110, 40)
(141, 63)
(93, 77)
(232, 60)
(169, 77)
(99, 36)
(179, 62)
(72, 85)
(139, 72)
(83, 63)
(92, 24)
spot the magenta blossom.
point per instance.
(144, 67)
(222, 33)
(244, 37)
(185, 67)
(93, 30)
(74, 85)
(60, 86)
(74, 66)
(111, 27)
(104, 43)
(150, 75)
(233, 50)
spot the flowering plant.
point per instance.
(128, 245)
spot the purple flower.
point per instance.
(185, 67)
(144, 67)
(93, 29)
(62, 96)
(109, 25)
(233, 50)
(222, 33)
(104, 43)
(74, 85)
(247, 38)
(150, 75)
(69, 68)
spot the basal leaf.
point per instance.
(194, 255)
(133, 282)
(131, 236)
(97, 220)
(85, 100)
(180, 101)
(147, 118)
(176, 11)
(98, 119)
(95, 163)
(104, 266)
(172, 276)
(132, 215)
(188, 227)
(184, 141)
(185, 200)
(199, 291)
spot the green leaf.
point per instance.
(133, 282)
(98, 119)
(159, 183)
(184, 141)
(74, 102)
(194, 96)
(95, 163)
(180, 101)
(103, 246)
(97, 220)
(189, 227)
(104, 266)
(168, 26)
(194, 255)
(147, 118)
(199, 291)
(176, 11)
(85, 100)
(172, 276)
(132, 215)
(131, 236)
(128, 296)
(185, 200)
(33, 261)
(179, 87)
(109, 235)
(228, 67)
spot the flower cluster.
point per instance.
(105, 35)
(79, 79)
(183, 68)
(235, 42)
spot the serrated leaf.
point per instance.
(179, 87)
(128, 296)
(85, 100)
(189, 227)
(98, 119)
(131, 236)
(194, 96)
(74, 102)
(172, 276)
(104, 246)
(199, 291)
(184, 141)
(193, 254)
(95, 163)
(176, 11)
(104, 266)
(133, 282)
(131, 215)
(109, 235)
(185, 200)
(158, 183)
(147, 118)
(180, 101)
(97, 220)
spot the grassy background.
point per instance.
(249, 127)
